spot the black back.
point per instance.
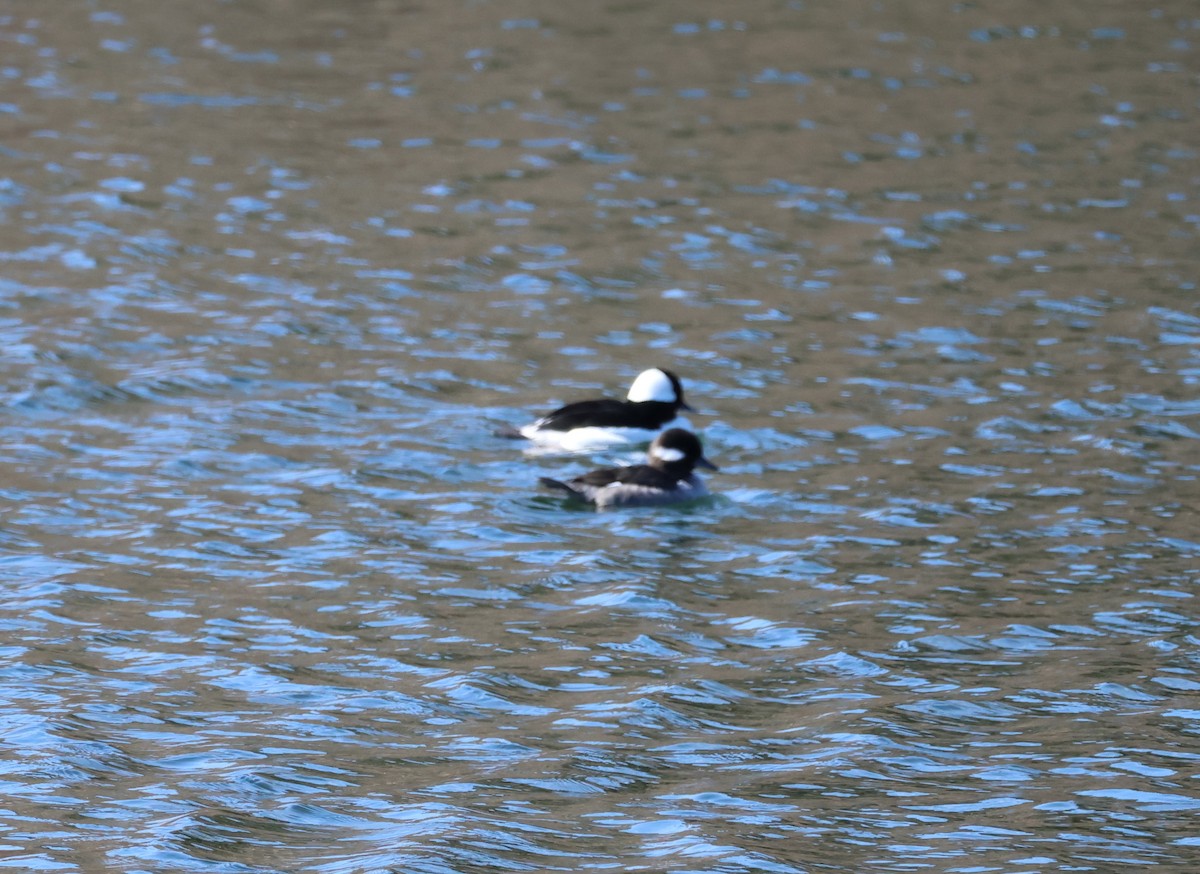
(634, 475)
(608, 413)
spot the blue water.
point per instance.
(275, 599)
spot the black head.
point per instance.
(677, 451)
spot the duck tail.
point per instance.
(561, 486)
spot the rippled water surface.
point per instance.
(275, 599)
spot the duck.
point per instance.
(667, 477)
(651, 405)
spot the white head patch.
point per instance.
(666, 453)
(652, 385)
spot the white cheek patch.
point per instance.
(667, 454)
(652, 385)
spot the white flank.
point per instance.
(590, 439)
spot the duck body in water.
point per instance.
(651, 406)
(667, 477)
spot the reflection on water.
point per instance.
(275, 598)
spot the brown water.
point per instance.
(275, 600)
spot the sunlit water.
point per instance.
(274, 598)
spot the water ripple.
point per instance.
(275, 598)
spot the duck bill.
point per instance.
(704, 462)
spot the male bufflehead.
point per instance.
(653, 403)
(665, 478)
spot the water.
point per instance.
(274, 599)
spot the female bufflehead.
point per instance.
(665, 478)
(653, 403)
